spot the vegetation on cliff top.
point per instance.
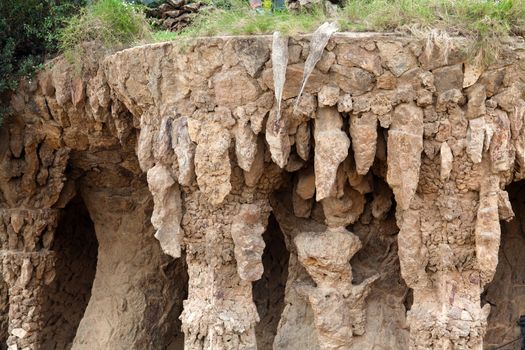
(29, 34)
(109, 24)
(485, 23)
(481, 18)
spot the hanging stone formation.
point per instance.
(381, 161)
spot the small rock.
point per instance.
(353, 55)
(386, 81)
(305, 187)
(328, 96)
(353, 80)
(326, 61)
(20, 333)
(344, 104)
(476, 101)
(397, 58)
(448, 78)
(472, 74)
(446, 161)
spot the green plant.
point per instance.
(110, 24)
(483, 22)
(29, 35)
(236, 18)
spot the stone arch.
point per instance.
(138, 290)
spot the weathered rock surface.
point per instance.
(386, 177)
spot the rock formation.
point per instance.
(380, 162)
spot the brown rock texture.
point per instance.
(193, 198)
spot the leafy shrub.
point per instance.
(29, 33)
(112, 24)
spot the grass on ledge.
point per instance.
(239, 20)
(484, 22)
(110, 24)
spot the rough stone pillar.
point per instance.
(438, 254)
(28, 264)
(448, 212)
(320, 279)
(224, 249)
(133, 298)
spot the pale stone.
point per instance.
(475, 139)
(345, 210)
(278, 139)
(325, 256)
(446, 161)
(26, 272)
(251, 177)
(302, 140)
(305, 187)
(247, 230)
(212, 161)
(500, 151)
(185, 151)
(331, 149)
(476, 101)
(504, 206)
(363, 132)
(234, 87)
(344, 104)
(405, 144)
(449, 77)
(353, 55)
(167, 211)
(245, 145)
(472, 73)
(19, 333)
(328, 95)
(398, 59)
(488, 231)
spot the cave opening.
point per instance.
(268, 292)
(506, 292)
(76, 249)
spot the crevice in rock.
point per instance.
(506, 293)
(268, 292)
(176, 270)
(4, 311)
(76, 259)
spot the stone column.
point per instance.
(448, 212)
(319, 292)
(26, 236)
(133, 298)
(224, 249)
